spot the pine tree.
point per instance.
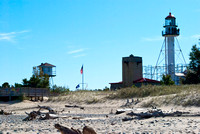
(193, 71)
(167, 80)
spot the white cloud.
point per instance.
(76, 51)
(6, 37)
(196, 36)
(11, 35)
(80, 55)
(151, 39)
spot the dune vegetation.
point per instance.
(183, 95)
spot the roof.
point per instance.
(145, 80)
(117, 82)
(170, 16)
(46, 64)
(180, 74)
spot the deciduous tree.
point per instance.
(38, 79)
(5, 85)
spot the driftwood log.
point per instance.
(65, 130)
(42, 116)
(120, 111)
(160, 113)
(51, 111)
(46, 116)
(127, 119)
(77, 118)
(31, 116)
(2, 112)
(147, 115)
(74, 106)
(88, 130)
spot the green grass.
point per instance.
(150, 90)
(183, 95)
(81, 96)
(192, 102)
(186, 98)
(92, 100)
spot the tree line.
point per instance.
(37, 80)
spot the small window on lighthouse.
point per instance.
(168, 22)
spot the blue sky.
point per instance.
(96, 33)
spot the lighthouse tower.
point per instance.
(170, 32)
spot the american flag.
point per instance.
(81, 70)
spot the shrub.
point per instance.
(60, 89)
(167, 80)
(106, 89)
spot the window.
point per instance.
(167, 22)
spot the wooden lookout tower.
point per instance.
(48, 69)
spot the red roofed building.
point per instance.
(116, 85)
(132, 74)
(145, 81)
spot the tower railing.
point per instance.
(171, 32)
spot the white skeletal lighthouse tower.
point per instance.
(170, 32)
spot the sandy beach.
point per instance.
(100, 116)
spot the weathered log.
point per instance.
(51, 114)
(127, 119)
(146, 115)
(159, 113)
(42, 116)
(77, 118)
(32, 115)
(88, 130)
(51, 111)
(119, 111)
(74, 106)
(46, 116)
(2, 112)
(65, 130)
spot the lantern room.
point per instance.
(170, 27)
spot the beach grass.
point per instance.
(150, 90)
(184, 95)
(81, 96)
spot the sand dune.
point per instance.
(99, 116)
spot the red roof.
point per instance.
(145, 80)
(117, 82)
(46, 64)
(170, 16)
